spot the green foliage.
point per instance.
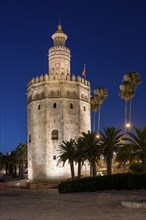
(134, 148)
(110, 142)
(135, 167)
(66, 153)
(109, 182)
(130, 81)
(92, 150)
(100, 95)
(16, 158)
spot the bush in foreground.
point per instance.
(110, 182)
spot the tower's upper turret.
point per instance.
(59, 54)
(59, 37)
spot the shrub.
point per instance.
(126, 181)
(135, 167)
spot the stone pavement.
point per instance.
(48, 204)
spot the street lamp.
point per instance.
(98, 135)
(128, 125)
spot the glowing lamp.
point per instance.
(128, 125)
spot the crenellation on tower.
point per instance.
(49, 78)
(58, 109)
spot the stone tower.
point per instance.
(58, 108)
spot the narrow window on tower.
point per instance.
(29, 138)
(84, 108)
(54, 157)
(54, 135)
(39, 107)
(71, 106)
(54, 105)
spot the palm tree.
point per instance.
(134, 149)
(21, 157)
(2, 164)
(134, 79)
(79, 154)
(13, 164)
(92, 152)
(100, 95)
(94, 107)
(5, 162)
(110, 142)
(67, 151)
(127, 91)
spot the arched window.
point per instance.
(54, 135)
(39, 107)
(71, 106)
(84, 108)
(54, 105)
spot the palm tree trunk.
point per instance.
(94, 121)
(15, 170)
(144, 166)
(22, 169)
(130, 112)
(99, 120)
(91, 170)
(79, 169)
(19, 169)
(72, 169)
(94, 168)
(11, 170)
(125, 116)
(7, 168)
(109, 165)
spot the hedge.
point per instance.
(126, 181)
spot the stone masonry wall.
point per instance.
(70, 118)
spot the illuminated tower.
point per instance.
(58, 108)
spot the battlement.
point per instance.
(59, 48)
(46, 77)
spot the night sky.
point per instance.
(109, 36)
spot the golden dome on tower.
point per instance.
(59, 29)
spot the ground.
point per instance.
(48, 204)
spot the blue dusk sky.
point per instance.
(109, 36)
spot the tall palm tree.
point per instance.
(134, 149)
(100, 95)
(21, 157)
(79, 154)
(13, 164)
(127, 92)
(92, 150)
(67, 151)
(94, 107)
(134, 80)
(3, 162)
(110, 142)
